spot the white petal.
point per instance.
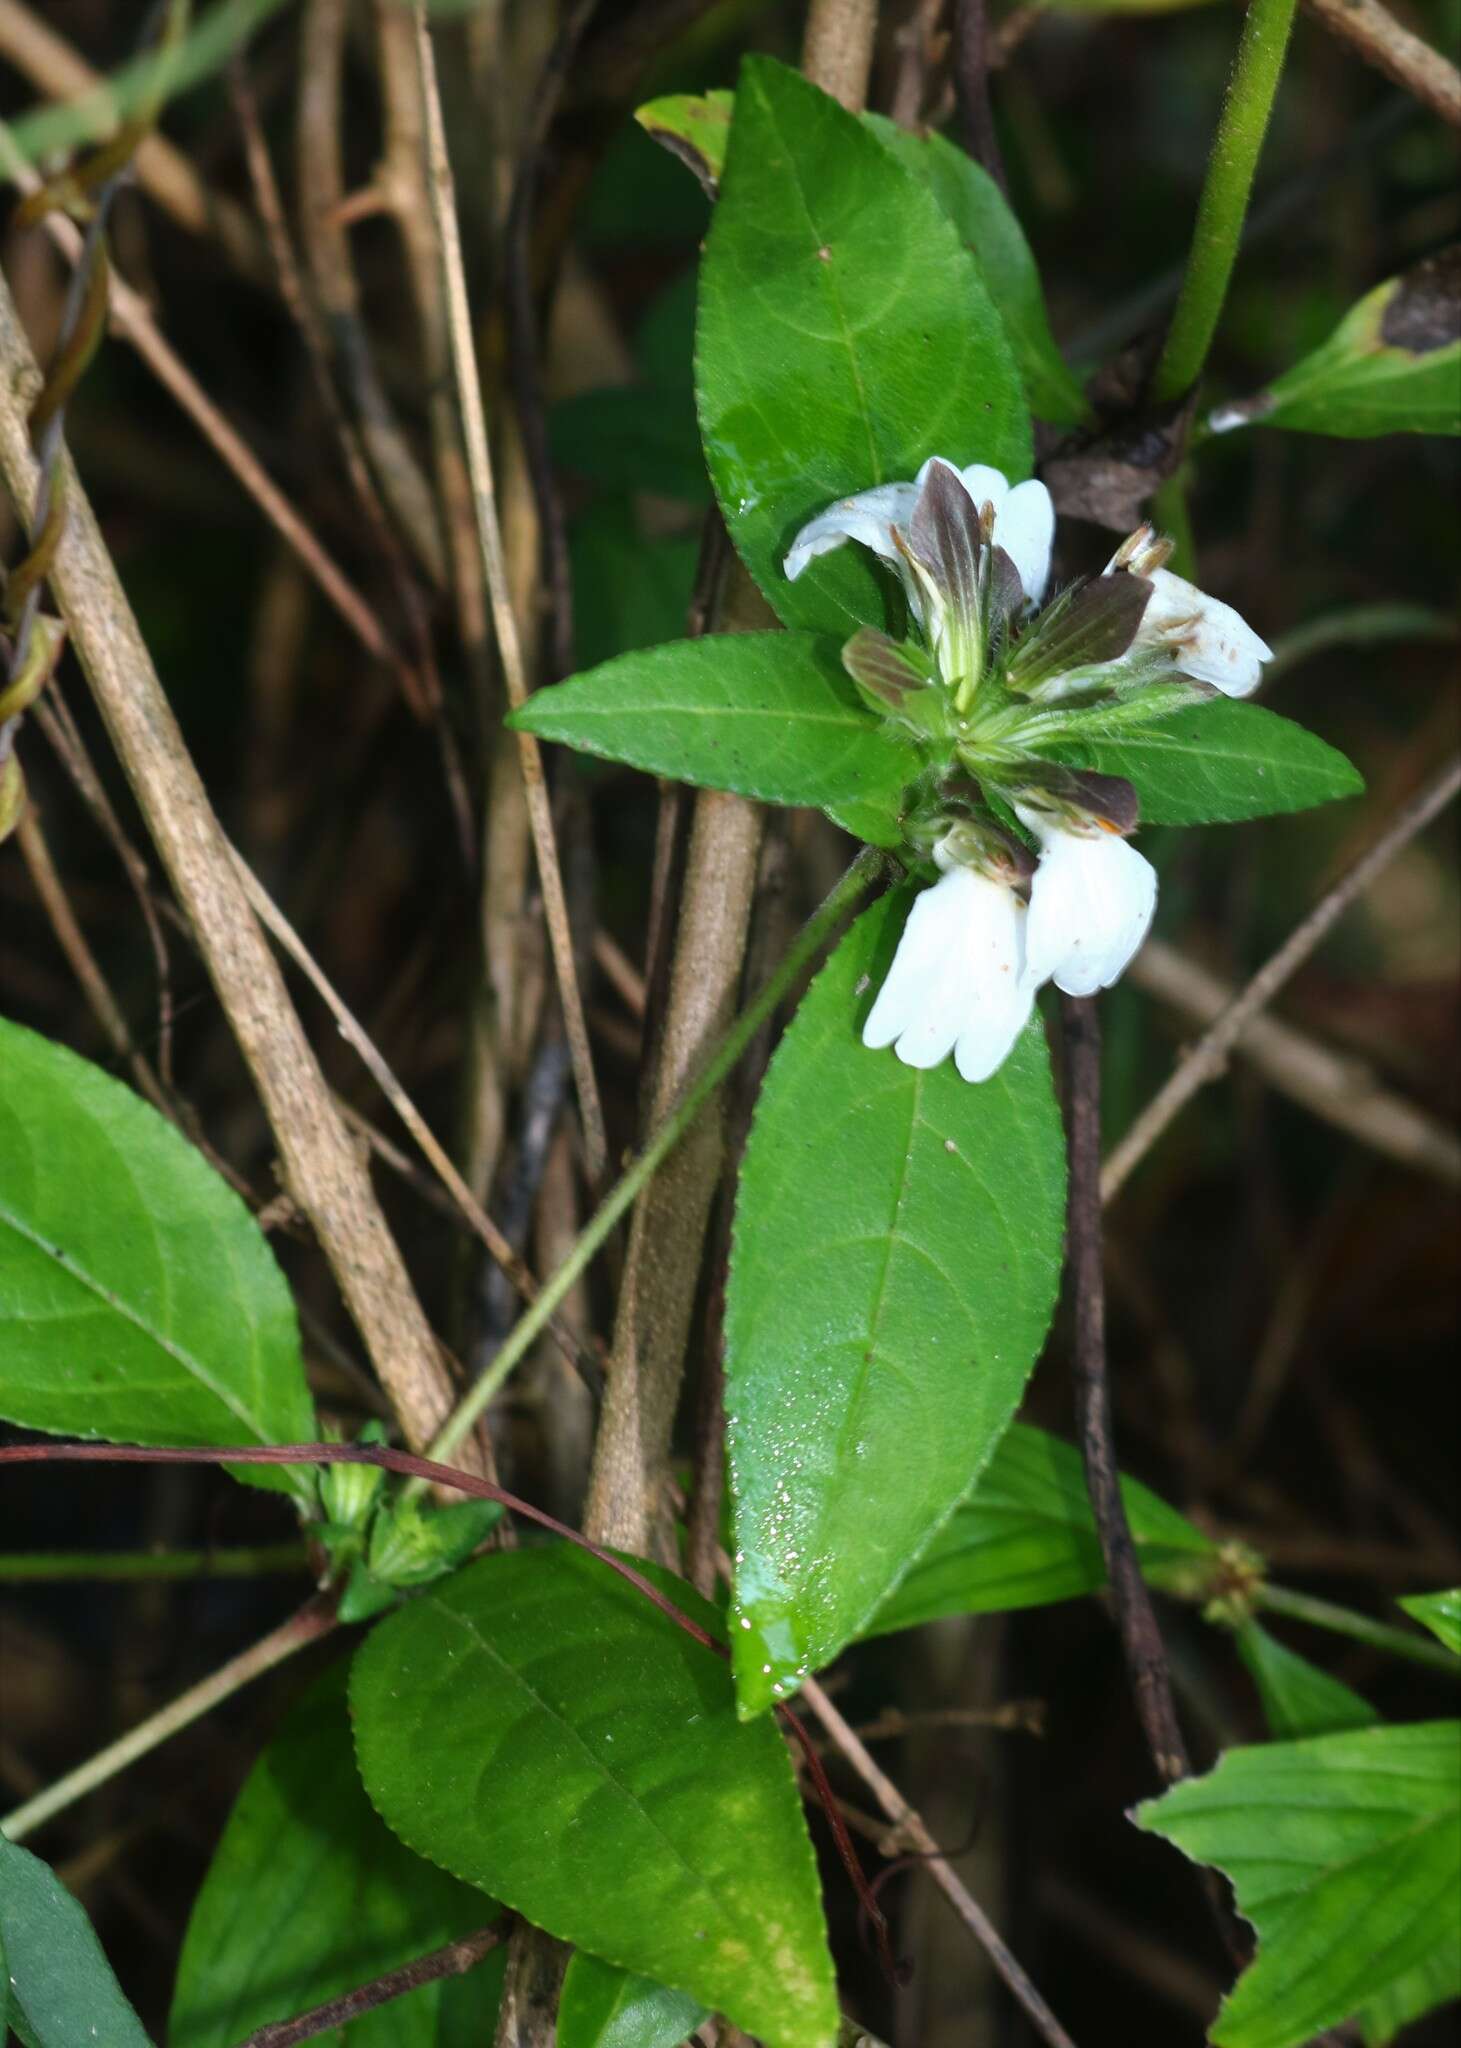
(956, 980)
(908, 990)
(1211, 642)
(928, 1038)
(868, 517)
(988, 1037)
(1091, 905)
(1024, 526)
(985, 486)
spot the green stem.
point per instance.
(531, 1324)
(1224, 201)
(46, 1566)
(315, 1619)
(1343, 1621)
(1172, 515)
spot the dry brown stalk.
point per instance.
(504, 620)
(164, 173)
(322, 1168)
(911, 1827)
(1380, 39)
(502, 1011)
(131, 318)
(837, 49)
(51, 891)
(1206, 1060)
(379, 1069)
(324, 234)
(1335, 1085)
(627, 1503)
(305, 313)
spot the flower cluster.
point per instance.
(1037, 881)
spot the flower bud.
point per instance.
(411, 1545)
(1079, 800)
(348, 1492)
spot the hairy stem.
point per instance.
(315, 1619)
(531, 1325)
(38, 1567)
(1343, 1621)
(1224, 201)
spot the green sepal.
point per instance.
(410, 1545)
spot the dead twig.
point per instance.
(421, 683)
(51, 892)
(524, 370)
(1141, 1639)
(1379, 38)
(971, 69)
(130, 317)
(355, 1035)
(324, 1173)
(913, 1830)
(626, 1503)
(454, 1959)
(324, 233)
(837, 48)
(1209, 1057)
(164, 173)
(1337, 1086)
(53, 716)
(494, 570)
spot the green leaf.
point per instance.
(1431, 1983)
(845, 334)
(897, 1252)
(695, 127)
(152, 1310)
(1440, 1613)
(61, 1987)
(540, 1728)
(769, 715)
(989, 229)
(1298, 1698)
(1025, 1537)
(604, 2007)
(1215, 763)
(310, 1894)
(1345, 1853)
(1392, 366)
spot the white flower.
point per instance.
(1091, 904)
(1024, 525)
(1208, 640)
(956, 983)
